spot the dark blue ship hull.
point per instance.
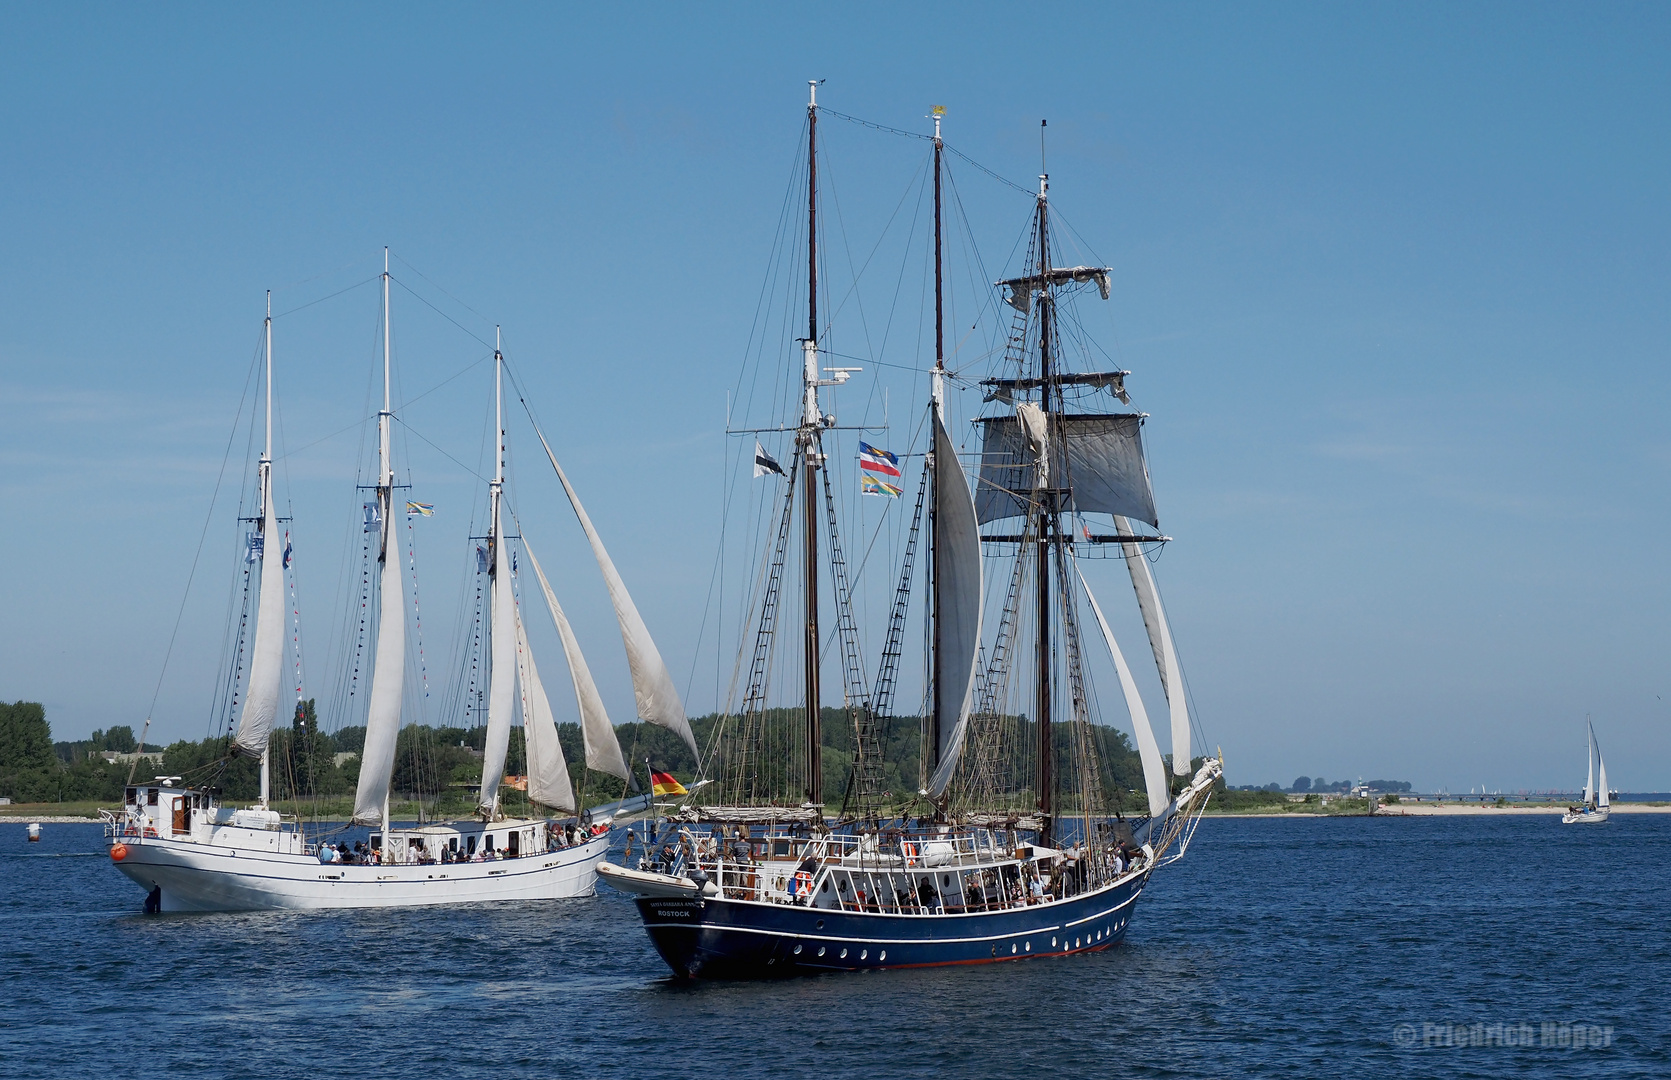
(717, 938)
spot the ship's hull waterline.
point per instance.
(718, 938)
(200, 877)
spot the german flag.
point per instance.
(663, 784)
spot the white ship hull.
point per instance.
(200, 877)
(1592, 817)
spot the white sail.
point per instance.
(1590, 766)
(652, 685)
(958, 588)
(261, 697)
(1154, 767)
(1601, 767)
(603, 749)
(501, 693)
(548, 774)
(1160, 641)
(388, 682)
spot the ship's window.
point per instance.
(844, 954)
(841, 886)
(151, 796)
(864, 954)
(472, 848)
(883, 955)
(826, 887)
(132, 796)
(820, 924)
(797, 950)
(820, 950)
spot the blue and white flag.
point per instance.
(254, 545)
(374, 517)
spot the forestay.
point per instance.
(1097, 459)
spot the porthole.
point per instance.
(820, 924)
(820, 950)
(1075, 943)
(1029, 947)
(797, 950)
(826, 887)
(844, 954)
(1012, 948)
(841, 886)
(946, 880)
(994, 950)
(883, 955)
(1052, 943)
(864, 954)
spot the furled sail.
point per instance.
(652, 685)
(603, 749)
(957, 540)
(1097, 458)
(261, 697)
(388, 680)
(501, 693)
(1160, 641)
(548, 774)
(1154, 768)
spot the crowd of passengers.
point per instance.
(558, 837)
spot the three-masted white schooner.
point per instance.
(1016, 847)
(1596, 807)
(192, 854)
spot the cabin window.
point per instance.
(452, 844)
(132, 796)
(513, 844)
(472, 848)
(151, 796)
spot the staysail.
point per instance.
(958, 590)
(1154, 768)
(261, 698)
(548, 774)
(1160, 641)
(603, 749)
(388, 680)
(652, 685)
(501, 694)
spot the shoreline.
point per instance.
(1442, 810)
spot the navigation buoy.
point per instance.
(118, 852)
(34, 831)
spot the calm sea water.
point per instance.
(1278, 947)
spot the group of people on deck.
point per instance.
(418, 854)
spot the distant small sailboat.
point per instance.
(1595, 808)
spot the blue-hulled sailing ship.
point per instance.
(1020, 844)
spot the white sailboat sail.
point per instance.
(1160, 641)
(501, 694)
(548, 774)
(958, 590)
(1590, 767)
(388, 682)
(261, 698)
(603, 749)
(657, 699)
(1601, 767)
(1154, 767)
(388, 673)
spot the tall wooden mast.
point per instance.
(937, 398)
(812, 422)
(1046, 781)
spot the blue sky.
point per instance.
(1392, 280)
